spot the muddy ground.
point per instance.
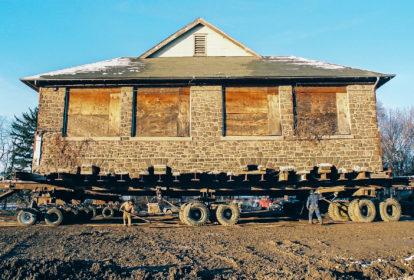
(257, 248)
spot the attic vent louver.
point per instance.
(199, 44)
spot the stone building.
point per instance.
(202, 101)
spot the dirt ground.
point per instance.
(264, 248)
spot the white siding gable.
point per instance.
(216, 45)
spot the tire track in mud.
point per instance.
(261, 252)
(265, 256)
(185, 252)
(20, 243)
(235, 259)
(181, 253)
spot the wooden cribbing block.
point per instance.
(284, 172)
(302, 175)
(160, 169)
(324, 169)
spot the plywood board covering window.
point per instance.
(93, 112)
(252, 111)
(321, 111)
(163, 112)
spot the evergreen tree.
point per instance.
(22, 133)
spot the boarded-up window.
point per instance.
(93, 112)
(321, 111)
(163, 112)
(252, 111)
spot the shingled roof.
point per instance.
(186, 68)
(204, 68)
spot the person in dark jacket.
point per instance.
(312, 204)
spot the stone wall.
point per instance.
(51, 107)
(206, 149)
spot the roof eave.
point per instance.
(385, 79)
(36, 83)
(29, 84)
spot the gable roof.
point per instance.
(187, 28)
(129, 70)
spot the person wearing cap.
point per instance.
(127, 208)
(312, 204)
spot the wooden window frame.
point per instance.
(136, 114)
(340, 92)
(65, 113)
(67, 108)
(273, 116)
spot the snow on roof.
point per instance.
(304, 61)
(93, 67)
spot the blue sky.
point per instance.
(47, 35)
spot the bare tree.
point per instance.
(397, 138)
(5, 145)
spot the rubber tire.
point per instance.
(332, 211)
(371, 211)
(84, 214)
(224, 209)
(70, 214)
(48, 216)
(351, 210)
(67, 214)
(339, 209)
(89, 213)
(180, 213)
(180, 216)
(396, 209)
(108, 212)
(190, 211)
(94, 211)
(75, 215)
(29, 213)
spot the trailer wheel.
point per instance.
(54, 217)
(353, 205)
(196, 214)
(365, 211)
(180, 216)
(108, 212)
(89, 212)
(27, 217)
(390, 210)
(74, 214)
(70, 215)
(227, 214)
(338, 210)
(180, 213)
(85, 214)
(94, 211)
(331, 211)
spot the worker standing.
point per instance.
(127, 208)
(312, 204)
